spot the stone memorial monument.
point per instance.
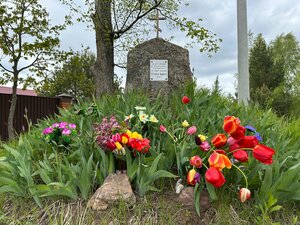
(157, 66)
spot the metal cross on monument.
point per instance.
(157, 18)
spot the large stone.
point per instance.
(115, 187)
(186, 197)
(138, 67)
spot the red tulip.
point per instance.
(196, 161)
(192, 130)
(219, 140)
(230, 124)
(162, 129)
(263, 153)
(185, 100)
(248, 142)
(233, 147)
(240, 155)
(215, 177)
(244, 194)
(193, 177)
(140, 145)
(239, 132)
(219, 161)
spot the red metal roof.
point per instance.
(8, 90)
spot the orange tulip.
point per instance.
(219, 161)
(219, 140)
(230, 124)
(193, 177)
(196, 161)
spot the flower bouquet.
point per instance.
(60, 134)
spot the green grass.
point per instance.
(151, 209)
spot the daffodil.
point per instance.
(202, 137)
(153, 119)
(185, 123)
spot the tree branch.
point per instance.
(118, 34)
(31, 64)
(10, 71)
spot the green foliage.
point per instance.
(73, 77)
(26, 38)
(266, 208)
(34, 168)
(273, 73)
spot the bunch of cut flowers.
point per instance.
(227, 151)
(114, 137)
(60, 133)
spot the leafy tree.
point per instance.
(74, 77)
(216, 89)
(124, 23)
(26, 41)
(285, 49)
(264, 73)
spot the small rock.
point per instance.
(115, 187)
(186, 197)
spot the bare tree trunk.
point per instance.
(104, 65)
(12, 109)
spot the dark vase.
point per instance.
(121, 166)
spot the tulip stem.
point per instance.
(246, 181)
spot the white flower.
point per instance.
(129, 117)
(140, 108)
(143, 117)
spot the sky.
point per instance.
(269, 17)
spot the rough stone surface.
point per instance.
(186, 197)
(115, 187)
(138, 66)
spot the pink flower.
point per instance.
(55, 125)
(72, 126)
(185, 100)
(116, 137)
(191, 130)
(48, 130)
(204, 146)
(162, 129)
(66, 131)
(231, 141)
(63, 125)
(196, 161)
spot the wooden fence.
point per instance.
(33, 107)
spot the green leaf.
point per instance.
(211, 190)
(197, 192)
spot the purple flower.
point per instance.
(55, 125)
(197, 177)
(72, 126)
(257, 135)
(66, 132)
(204, 146)
(250, 128)
(48, 130)
(62, 125)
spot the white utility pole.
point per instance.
(243, 65)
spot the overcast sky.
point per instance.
(269, 17)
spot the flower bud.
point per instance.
(191, 130)
(244, 194)
(162, 129)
